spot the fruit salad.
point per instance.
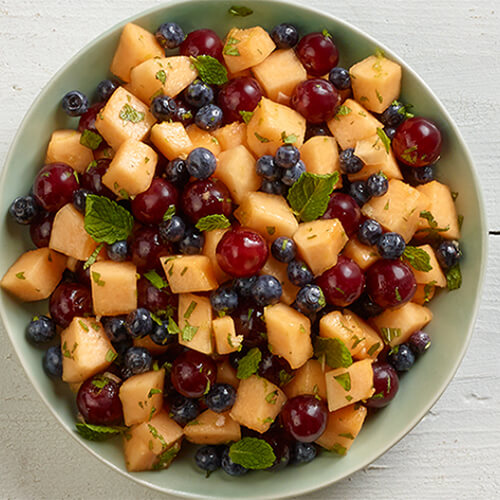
(239, 241)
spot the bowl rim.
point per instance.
(480, 278)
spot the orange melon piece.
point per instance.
(65, 147)
(389, 168)
(279, 271)
(195, 312)
(363, 255)
(212, 239)
(321, 156)
(171, 139)
(189, 273)
(226, 340)
(308, 379)
(147, 343)
(435, 275)
(231, 135)
(424, 294)
(212, 428)
(203, 139)
(226, 374)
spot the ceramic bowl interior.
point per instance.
(453, 313)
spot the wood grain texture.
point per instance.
(454, 452)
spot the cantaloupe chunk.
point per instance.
(189, 273)
(34, 275)
(289, 75)
(124, 117)
(308, 379)
(236, 169)
(68, 235)
(148, 344)
(258, 403)
(279, 271)
(142, 396)
(376, 82)
(171, 139)
(212, 239)
(135, 46)
(345, 386)
(104, 153)
(245, 48)
(435, 275)
(396, 325)
(269, 214)
(320, 155)
(398, 209)
(226, 374)
(132, 169)
(203, 139)
(363, 255)
(226, 340)
(342, 428)
(442, 207)
(212, 428)
(389, 168)
(65, 147)
(114, 287)
(270, 124)
(231, 135)
(86, 349)
(195, 322)
(353, 126)
(288, 334)
(423, 294)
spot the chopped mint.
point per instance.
(130, 114)
(336, 353)
(240, 11)
(90, 139)
(249, 364)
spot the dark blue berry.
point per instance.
(192, 242)
(285, 36)
(169, 35)
(184, 113)
(220, 397)
(105, 89)
(184, 410)
(172, 230)
(377, 184)
(401, 357)
(163, 108)
(137, 360)
(303, 453)
(75, 103)
(291, 175)
(273, 187)
(349, 162)
(201, 163)
(310, 299)
(208, 458)
(122, 346)
(139, 323)
(299, 273)
(366, 307)
(118, 251)
(448, 254)
(267, 168)
(41, 329)
(359, 191)
(52, 362)
(266, 290)
(80, 199)
(393, 115)
(116, 328)
(419, 342)
(229, 467)
(390, 132)
(315, 129)
(420, 175)
(369, 232)
(160, 335)
(284, 249)
(176, 172)
(199, 94)
(340, 78)
(24, 209)
(243, 286)
(391, 245)
(224, 299)
(208, 117)
(287, 156)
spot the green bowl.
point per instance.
(454, 313)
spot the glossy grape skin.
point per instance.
(158, 301)
(150, 206)
(249, 322)
(304, 417)
(317, 53)
(54, 186)
(69, 300)
(239, 94)
(202, 42)
(316, 100)
(206, 197)
(147, 248)
(344, 208)
(91, 179)
(193, 373)
(273, 368)
(41, 228)
(385, 383)
(87, 120)
(280, 443)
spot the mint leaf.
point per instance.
(106, 221)
(403, 110)
(389, 334)
(344, 379)
(155, 279)
(169, 213)
(428, 288)
(252, 453)
(260, 138)
(339, 449)
(288, 139)
(189, 331)
(326, 33)
(211, 71)
(417, 258)
(211, 222)
(337, 355)
(454, 277)
(246, 116)
(21, 276)
(161, 76)
(373, 348)
(90, 139)
(433, 228)
(343, 111)
(249, 364)
(385, 140)
(98, 432)
(309, 196)
(130, 114)
(91, 260)
(240, 11)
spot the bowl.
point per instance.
(454, 313)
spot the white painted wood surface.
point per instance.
(454, 452)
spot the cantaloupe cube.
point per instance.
(370, 344)
(189, 273)
(148, 344)
(288, 334)
(321, 156)
(212, 428)
(135, 46)
(389, 168)
(195, 322)
(104, 153)
(212, 239)
(363, 255)
(398, 209)
(65, 147)
(354, 126)
(258, 403)
(245, 48)
(342, 428)
(435, 275)
(34, 275)
(231, 135)
(289, 75)
(270, 124)
(161, 76)
(308, 379)
(171, 139)
(396, 325)
(226, 374)
(269, 214)
(442, 208)
(114, 287)
(132, 169)
(203, 139)
(424, 294)
(86, 349)
(279, 271)
(226, 339)
(124, 117)
(142, 396)
(345, 386)
(68, 235)
(376, 82)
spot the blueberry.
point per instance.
(105, 89)
(391, 245)
(366, 307)
(137, 360)
(377, 184)
(349, 162)
(80, 199)
(24, 209)
(199, 94)
(291, 175)
(229, 467)
(369, 232)
(419, 342)
(303, 453)
(160, 334)
(273, 187)
(390, 132)
(314, 129)
(224, 299)
(285, 36)
(267, 168)
(184, 410)
(208, 117)
(52, 362)
(420, 175)
(176, 172)
(118, 251)
(163, 108)
(401, 357)
(169, 35)
(243, 286)
(116, 328)
(201, 163)
(284, 249)
(266, 290)
(173, 229)
(448, 254)
(122, 346)
(41, 329)
(359, 191)
(208, 458)
(393, 115)
(192, 242)
(75, 103)
(310, 299)
(287, 156)
(340, 78)
(184, 113)
(220, 397)
(299, 273)
(139, 323)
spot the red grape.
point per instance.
(202, 42)
(239, 94)
(150, 206)
(305, 417)
(385, 383)
(316, 100)
(69, 300)
(344, 208)
(193, 373)
(317, 53)
(41, 228)
(206, 197)
(147, 248)
(54, 186)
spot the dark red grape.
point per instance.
(249, 322)
(193, 373)
(159, 301)
(69, 300)
(41, 228)
(239, 94)
(54, 186)
(82, 275)
(206, 197)
(150, 206)
(280, 443)
(316, 100)
(87, 120)
(317, 53)
(202, 42)
(91, 179)
(385, 383)
(305, 417)
(147, 248)
(344, 208)
(273, 368)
